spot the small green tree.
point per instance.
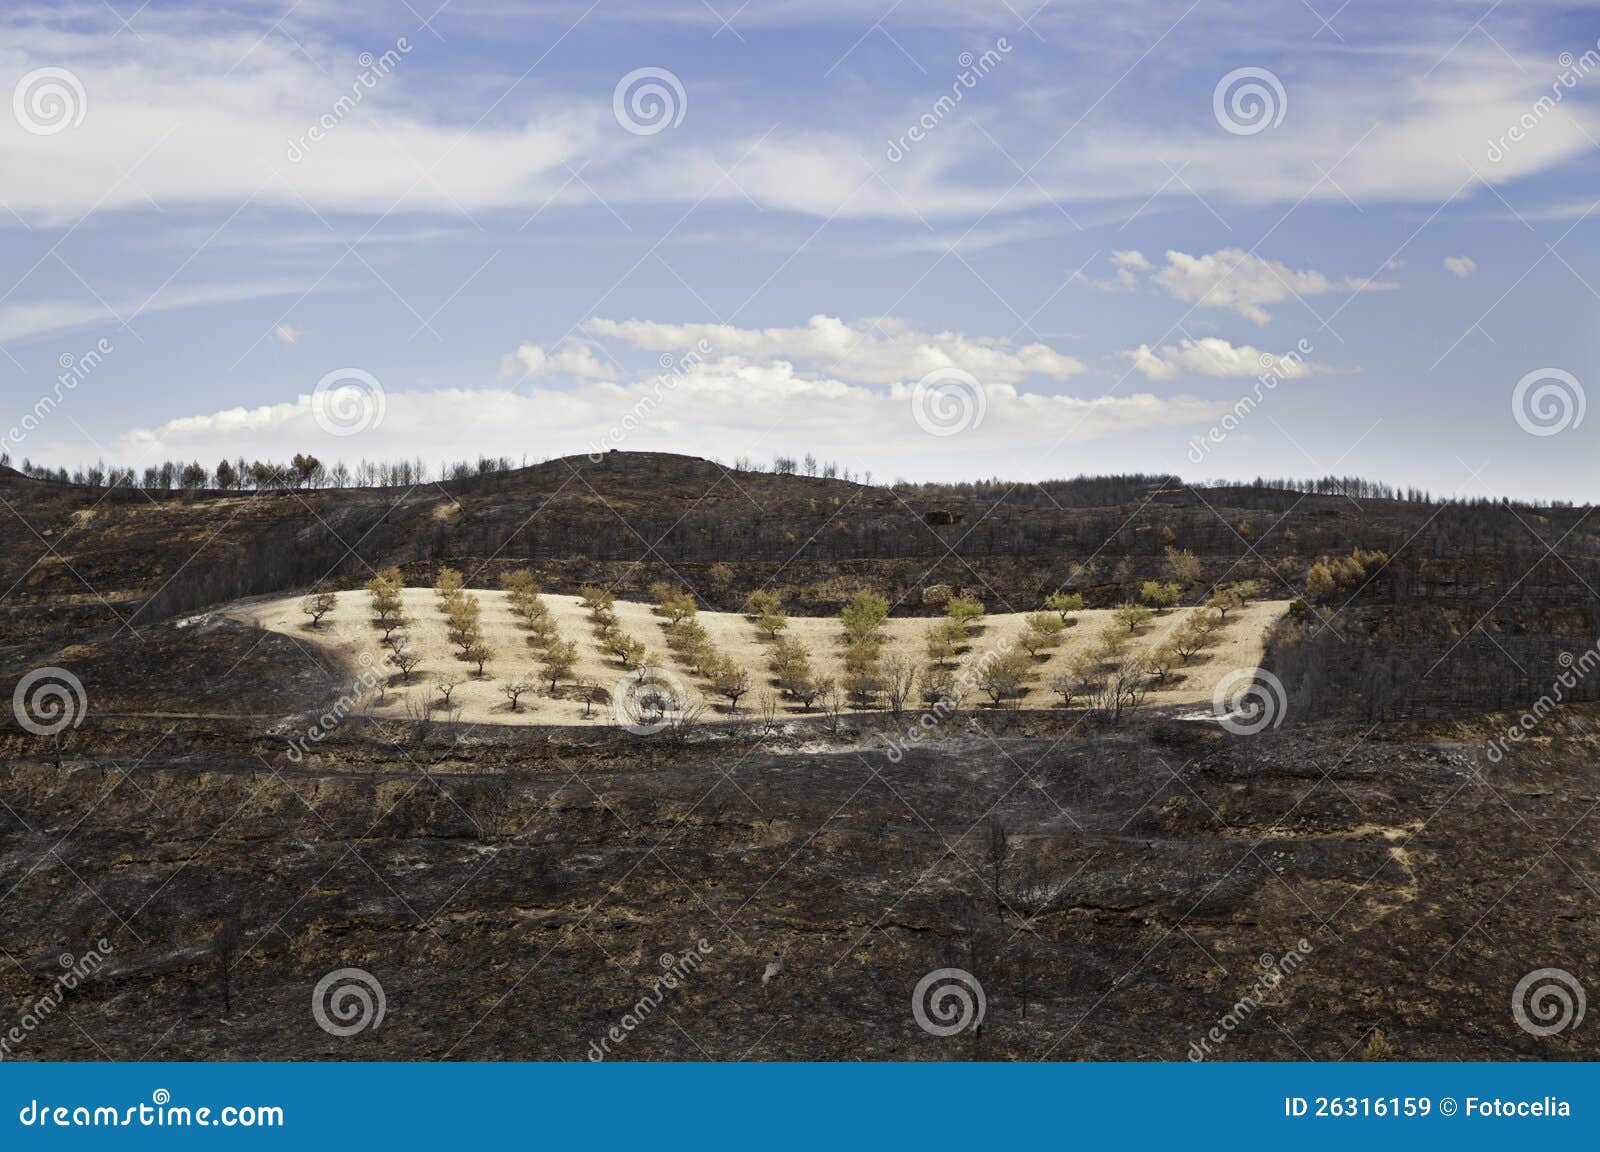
(767, 610)
(633, 653)
(965, 611)
(463, 622)
(384, 589)
(941, 648)
(762, 603)
(1183, 565)
(1234, 596)
(522, 593)
(863, 616)
(447, 583)
(1064, 604)
(560, 658)
(1159, 595)
(1042, 630)
(1133, 616)
(1320, 581)
(519, 581)
(677, 607)
(1002, 678)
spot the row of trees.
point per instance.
(305, 470)
(630, 651)
(388, 616)
(692, 645)
(463, 616)
(1107, 678)
(807, 465)
(302, 471)
(558, 657)
(790, 661)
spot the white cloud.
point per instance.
(185, 115)
(191, 112)
(1461, 266)
(1129, 263)
(1228, 278)
(722, 409)
(1407, 122)
(1214, 356)
(872, 351)
(572, 358)
(1242, 281)
(287, 334)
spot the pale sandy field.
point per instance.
(349, 631)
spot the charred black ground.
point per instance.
(1113, 888)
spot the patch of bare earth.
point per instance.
(351, 636)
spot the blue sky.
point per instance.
(1084, 263)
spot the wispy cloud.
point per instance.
(31, 320)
